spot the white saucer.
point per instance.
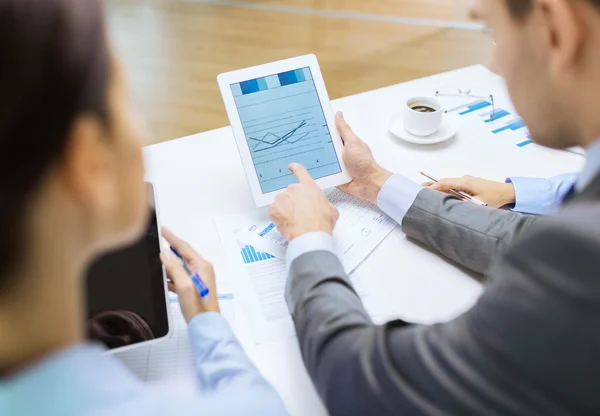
(447, 130)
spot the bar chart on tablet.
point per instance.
(284, 123)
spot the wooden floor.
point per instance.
(174, 50)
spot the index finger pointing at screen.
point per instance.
(301, 173)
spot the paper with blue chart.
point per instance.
(255, 251)
(499, 118)
(283, 122)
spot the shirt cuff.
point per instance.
(531, 195)
(315, 241)
(397, 196)
(206, 329)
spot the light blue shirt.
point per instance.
(545, 196)
(85, 380)
(592, 167)
(533, 196)
(541, 196)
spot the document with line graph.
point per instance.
(283, 122)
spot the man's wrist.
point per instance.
(302, 231)
(375, 183)
(509, 195)
(307, 243)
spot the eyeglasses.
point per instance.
(467, 94)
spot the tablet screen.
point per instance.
(126, 292)
(283, 122)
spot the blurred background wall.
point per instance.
(173, 50)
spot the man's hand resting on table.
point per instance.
(495, 194)
(367, 176)
(303, 207)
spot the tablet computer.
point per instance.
(280, 113)
(127, 293)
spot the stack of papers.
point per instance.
(359, 230)
(256, 251)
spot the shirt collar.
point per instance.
(592, 167)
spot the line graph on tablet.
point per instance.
(284, 123)
(272, 140)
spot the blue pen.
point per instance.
(200, 285)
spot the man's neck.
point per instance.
(591, 141)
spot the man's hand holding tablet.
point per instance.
(303, 208)
(280, 114)
(367, 176)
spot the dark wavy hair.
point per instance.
(55, 66)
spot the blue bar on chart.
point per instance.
(526, 142)
(513, 125)
(492, 116)
(250, 255)
(463, 106)
(477, 105)
(245, 255)
(254, 255)
(266, 230)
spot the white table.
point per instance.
(201, 177)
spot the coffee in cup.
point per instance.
(423, 108)
(422, 116)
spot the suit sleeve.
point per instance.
(462, 231)
(515, 352)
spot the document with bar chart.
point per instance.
(283, 123)
(262, 277)
(360, 228)
(500, 122)
(499, 117)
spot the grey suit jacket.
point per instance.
(530, 346)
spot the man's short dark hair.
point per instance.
(520, 8)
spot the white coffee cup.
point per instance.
(420, 123)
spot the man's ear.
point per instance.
(566, 29)
(86, 170)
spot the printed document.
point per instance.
(255, 252)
